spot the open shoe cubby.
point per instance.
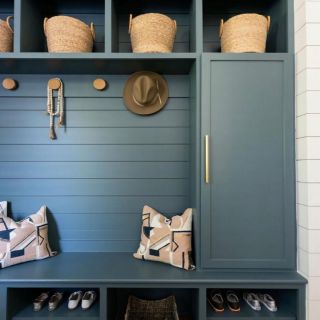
(285, 300)
(186, 300)
(20, 304)
(214, 11)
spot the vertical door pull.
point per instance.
(207, 160)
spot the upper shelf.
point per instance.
(198, 32)
(95, 63)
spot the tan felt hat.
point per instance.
(145, 92)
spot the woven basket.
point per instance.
(6, 36)
(152, 32)
(245, 33)
(165, 309)
(67, 34)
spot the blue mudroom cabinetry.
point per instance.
(223, 145)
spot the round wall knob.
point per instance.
(54, 84)
(9, 84)
(100, 84)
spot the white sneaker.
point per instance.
(88, 299)
(74, 300)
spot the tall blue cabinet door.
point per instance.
(248, 200)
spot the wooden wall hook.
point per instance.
(9, 84)
(54, 84)
(100, 84)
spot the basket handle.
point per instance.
(221, 28)
(130, 23)
(268, 23)
(93, 31)
(45, 25)
(175, 25)
(8, 22)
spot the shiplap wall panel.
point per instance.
(107, 163)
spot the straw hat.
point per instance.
(145, 92)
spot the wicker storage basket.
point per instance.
(6, 36)
(67, 34)
(138, 309)
(245, 33)
(152, 32)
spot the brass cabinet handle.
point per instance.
(207, 160)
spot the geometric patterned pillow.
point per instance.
(166, 240)
(3, 208)
(25, 240)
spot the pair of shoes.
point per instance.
(255, 300)
(216, 301)
(53, 304)
(87, 299)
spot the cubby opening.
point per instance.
(33, 13)
(214, 11)
(6, 9)
(181, 11)
(286, 301)
(186, 300)
(20, 304)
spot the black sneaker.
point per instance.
(216, 301)
(233, 301)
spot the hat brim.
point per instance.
(153, 107)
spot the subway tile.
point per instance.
(313, 310)
(314, 288)
(300, 17)
(311, 11)
(308, 171)
(312, 56)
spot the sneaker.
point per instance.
(233, 301)
(39, 301)
(216, 301)
(74, 300)
(88, 299)
(252, 300)
(268, 302)
(55, 300)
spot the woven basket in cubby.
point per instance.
(245, 33)
(68, 34)
(152, 33)
(6, 35)
(165, 309)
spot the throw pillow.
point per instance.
(25, 240)
(166, 240)
(3, 208)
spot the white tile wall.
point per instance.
(307, 40)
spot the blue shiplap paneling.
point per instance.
(104, 166)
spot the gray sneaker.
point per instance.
(252, 300)
(55, 300)
(39, 301)
(268, 302)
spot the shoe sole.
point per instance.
(234, 310)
